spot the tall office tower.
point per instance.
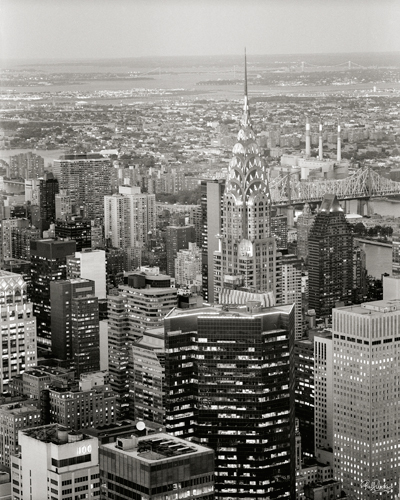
(55, 463)
(91, 265)
(7, 227)
(142, 304)
(21, 238)
(279, 229)
(330, 260)
(26, 165)
(75, 228)
(339, 145)
(18, 328)
(75, 323)
(48, 188)
(324, 398)
(86, 179)
(360, 275)
(250, 426)
(247, 251)
(129, 220)
(304, 223)
(48, 263)
(365, 396)
(291, 290)
(97, 234)
(171, 464)
(195, 220)
(63, 205)
(13, 417)
(396, 253)
(90, 406)
(115, 267)
(188, 266)
(177, 238)
(304, 392)
(146, 377)
(211, 197)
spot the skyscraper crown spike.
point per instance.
(246, 111)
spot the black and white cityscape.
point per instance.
(199, 250)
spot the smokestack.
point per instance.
(320, 151)
(339, 146)
(308, 138)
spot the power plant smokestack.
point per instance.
(308, 138)
(320, 151)
(339, 145)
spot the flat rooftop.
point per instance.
(56, 434)
(160, 446)
(376, 308)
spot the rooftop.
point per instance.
(55, 433)
(157, 447)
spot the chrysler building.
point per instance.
(247, 259)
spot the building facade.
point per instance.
(75, 333)
(330, 260)
(86, 179)
(55, 463)
(154, 467)
(48, 263)
(18, 329)
(365, 397)
(230, 384)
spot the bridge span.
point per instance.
(363, 184)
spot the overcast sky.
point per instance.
(68, 29)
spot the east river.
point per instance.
(379, 258)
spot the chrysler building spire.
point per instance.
(246, 111)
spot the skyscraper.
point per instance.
(243, 388)
(129, 220)
(330, 261)
(304, 223)
(48, 263)
(365, 396)
(396, 253)
(140, 305)
(188, 265)
(291, 289)
(75, 323)
(177, 238)
(48, 188)
(86, 179)
(247, 250)
(18, 328)
(91, 265)
(211, 196)
(74, 227)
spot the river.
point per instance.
(379, 258)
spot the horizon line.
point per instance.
(112, 58)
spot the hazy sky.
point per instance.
(32, 29)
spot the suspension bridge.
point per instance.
(363, 184)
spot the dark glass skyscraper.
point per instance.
(48, 263)
(75, 323)
(330, 260)
(238, 365)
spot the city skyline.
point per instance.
(101, 29)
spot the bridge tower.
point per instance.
(363, 204)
